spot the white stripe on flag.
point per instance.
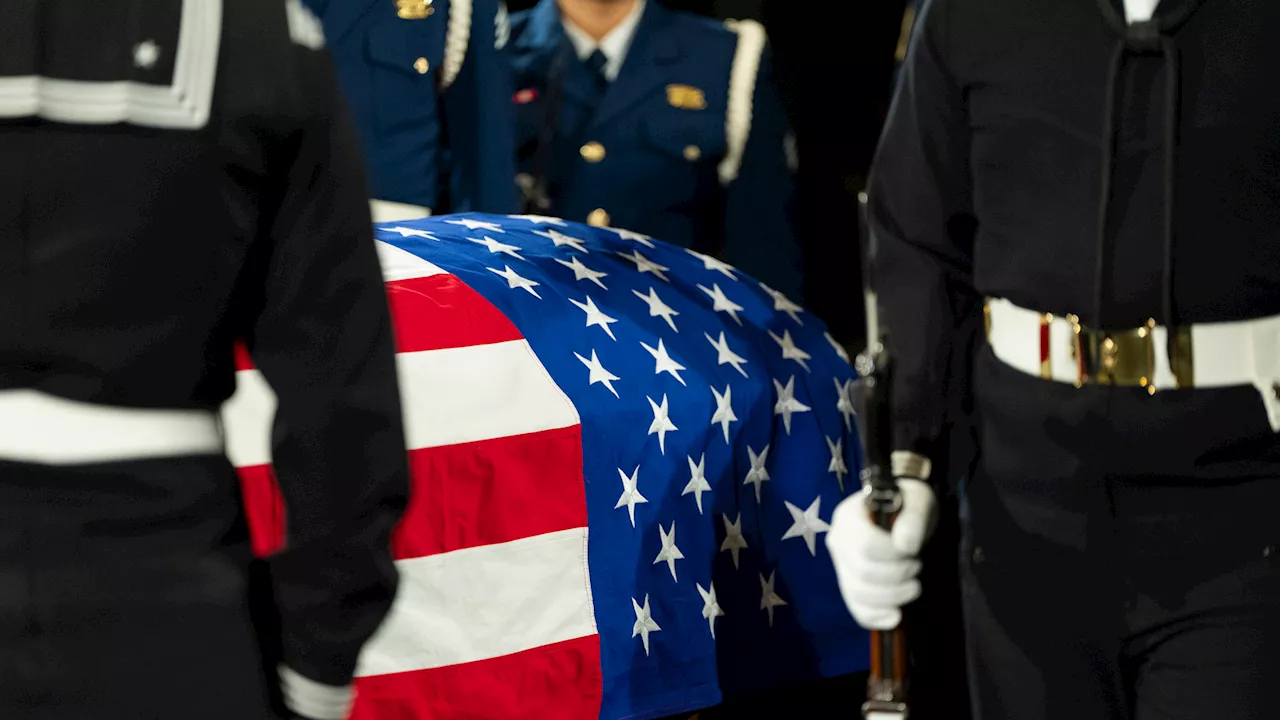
(480, 392)
(484, 602)
(247, 418)
(400, 264)
(448, 396)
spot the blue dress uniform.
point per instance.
(431, 96)
(687, 144)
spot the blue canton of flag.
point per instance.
(718, 435)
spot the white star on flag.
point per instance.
(844, 354)
(412, 232)
(837, 464)
(470, 224)
(714, 265)
(645, 265)
(540, 219)
(560, 240)
(669, 553)
(807, 524)
(663, 362)
(758, 474)
(733, 539)
(844, 402)
(644, 623)
(632, 236)
(661, 424)
(630, 493)
(497, 247)
(595, 317)
(698, 482)
(787, 402)
(720, 303)
(789, 349)
(725, 356)
(769, 598)
(657, 308)
(514, 280)
(710, 608)
(783, 304)
(724, 411)
(598, 374)
(582, 272)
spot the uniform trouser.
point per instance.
(125, 593)
(1119, 558)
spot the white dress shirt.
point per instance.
(614, 45)
(1139, 10)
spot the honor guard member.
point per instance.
(431, 95)
(179, 176)
(633, 116)
(1098, 182)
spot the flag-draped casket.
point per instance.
(624, 456)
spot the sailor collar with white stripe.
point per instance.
(164, 80)
(614, 45)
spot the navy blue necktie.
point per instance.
(596, 63)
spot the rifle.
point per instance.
(887, 684)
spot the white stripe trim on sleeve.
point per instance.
(314, 700)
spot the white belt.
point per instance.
(387, 211)
(39, 428)
(1225, 354)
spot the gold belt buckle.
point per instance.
(1127, 358)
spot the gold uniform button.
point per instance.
(414, 9)
(421, 65)
(592, 152)
(598, 218)
(692, 152)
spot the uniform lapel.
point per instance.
(653, 49)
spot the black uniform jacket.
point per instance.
(175, 176)
(1026, 157)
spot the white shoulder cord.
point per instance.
(742, 89)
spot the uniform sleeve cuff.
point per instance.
(313, 700)
(911, 465)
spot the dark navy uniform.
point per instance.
(431, 96)
(178, 176)
(1099, 193)
(688, 144)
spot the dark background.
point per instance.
(835, 72)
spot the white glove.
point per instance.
(877, 570)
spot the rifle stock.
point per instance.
(888, 682)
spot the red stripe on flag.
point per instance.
(561, 681)
(434, 313)
(243, 361)
(492, 491)
(439, 312)
(264, 507)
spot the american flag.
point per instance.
(624, 456)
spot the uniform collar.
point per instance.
(614, 45)
(1139, 10)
